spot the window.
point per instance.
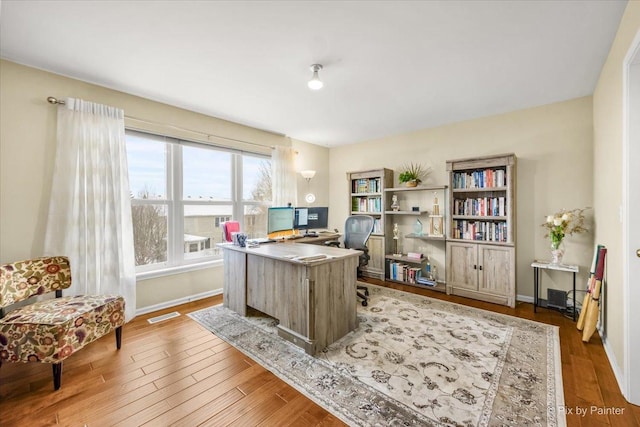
(182, 192)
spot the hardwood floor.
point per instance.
(177, 373)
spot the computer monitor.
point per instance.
(318, 218)
(279, 219)
(301, 218)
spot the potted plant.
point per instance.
(412, 174)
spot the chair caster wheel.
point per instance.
(366, 292)
(364, 303)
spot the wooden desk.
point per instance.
(320, 239)
(314, 301)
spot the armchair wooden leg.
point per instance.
(119, 337)
(57, 375)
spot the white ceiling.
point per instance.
(389, 66)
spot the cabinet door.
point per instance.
(496, 274)
(462, 265)
(376, 254)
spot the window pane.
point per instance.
(256, 178)
(202, 229)
(149, 233)
(255, 220)
(206, 174)
(146, 155)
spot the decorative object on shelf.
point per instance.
(395, 206)
(435, 219)
(561, 224)
(396, 235)
(413, 174)
(417, 227)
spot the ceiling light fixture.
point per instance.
(315, 83)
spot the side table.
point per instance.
(544, 265)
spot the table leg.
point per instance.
(574, 296)
(535, 288)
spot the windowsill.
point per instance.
(145, 275)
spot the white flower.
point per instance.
(557, 221)
(549, 218)
(565, 217)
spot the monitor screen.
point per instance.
(317, 218)
(280, 219)
(301, 218)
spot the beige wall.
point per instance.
(607, 121)
(27, 147)
(554, 146)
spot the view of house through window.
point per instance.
(182, 193)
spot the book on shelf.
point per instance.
(403, 272)
(424, 281)
(487, 178)
(365, 185)
(366, 204)
(481, 206)
(488, 231)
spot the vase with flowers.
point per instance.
(560, 225)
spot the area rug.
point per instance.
(415, 361)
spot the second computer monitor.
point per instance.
(311, 218)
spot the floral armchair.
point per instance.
(50, 331)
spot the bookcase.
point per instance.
(368, 197)
(420, 231)
(481, 238)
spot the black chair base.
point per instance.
(363, 296)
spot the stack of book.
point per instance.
(424, 281)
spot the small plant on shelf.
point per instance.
(413, 174)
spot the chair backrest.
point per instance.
(229, 227)
(357, 229)
(24, 279)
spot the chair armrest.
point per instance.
(334, 243)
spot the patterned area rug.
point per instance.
(415, 361)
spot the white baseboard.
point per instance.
(617, 372)
(167, 304)
(524, 298)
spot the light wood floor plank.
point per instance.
(177, 372)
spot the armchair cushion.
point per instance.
(52, 330)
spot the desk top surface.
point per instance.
(299, 253)
(551, 266)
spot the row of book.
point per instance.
(406, 273)
(480, 230)
(366, 185)
(377, 226)
(486, 178)
(482, 206)
(366, 204)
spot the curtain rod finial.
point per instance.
(53, 100)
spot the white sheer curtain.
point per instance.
(90, 209)
(285, 187)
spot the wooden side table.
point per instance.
(544, 265)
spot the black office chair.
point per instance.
(357, 229)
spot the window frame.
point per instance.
(175, 204)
